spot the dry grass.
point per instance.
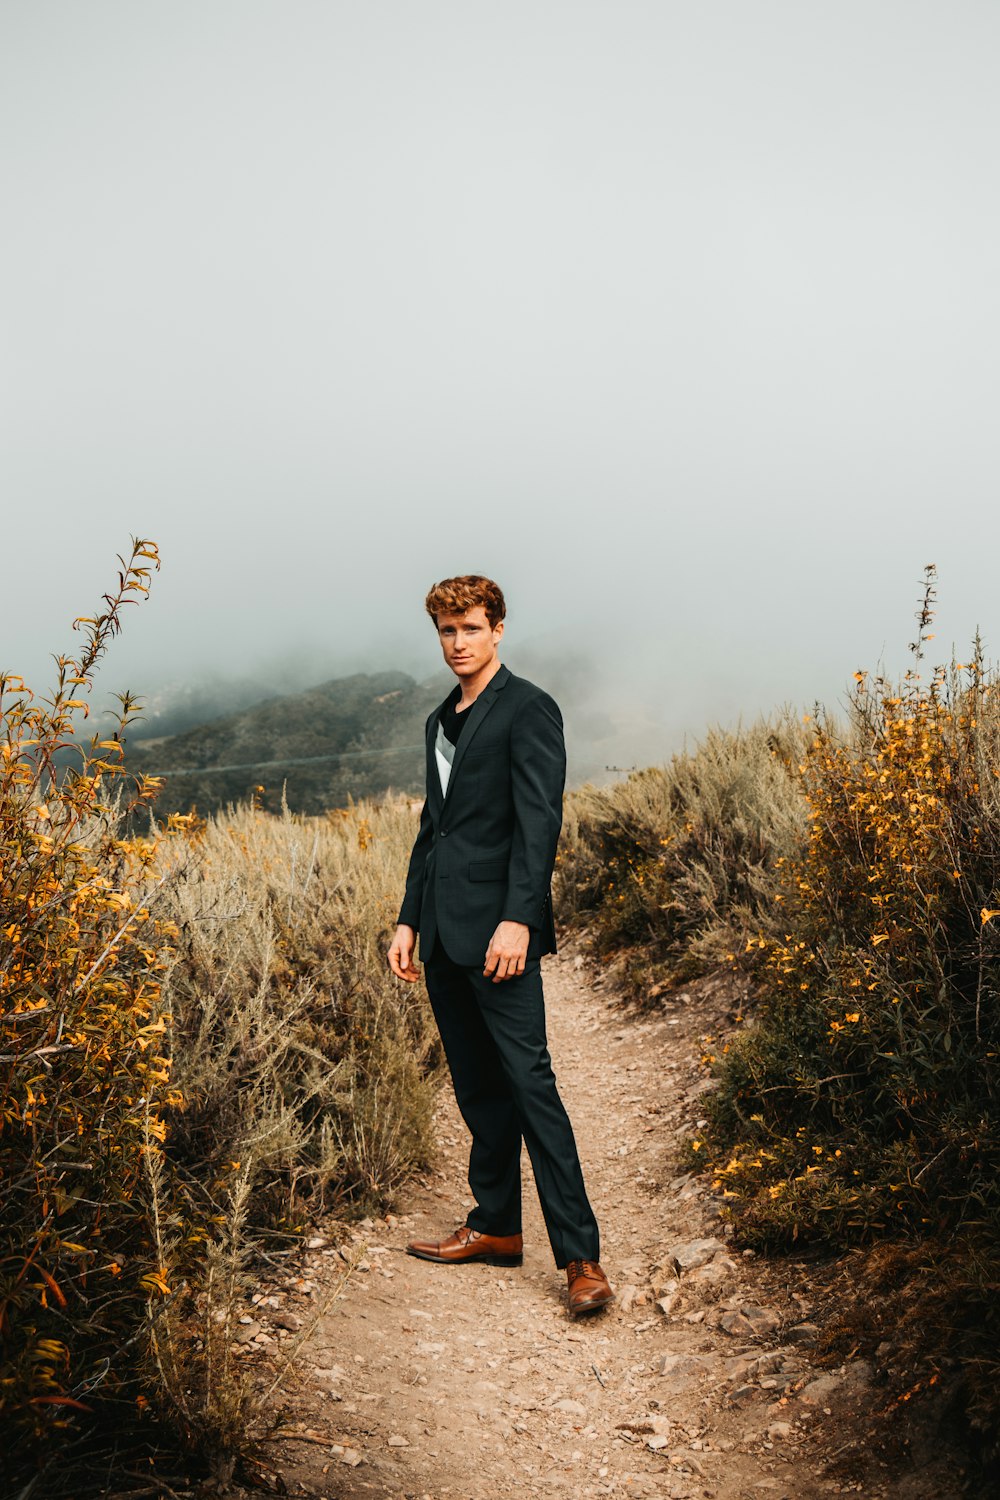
(292, 1044)
(672, 869)
(201, 1049)
(307, 1073)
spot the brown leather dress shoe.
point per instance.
(589, 1288)
(467, 1244)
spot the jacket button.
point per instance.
(444, 833)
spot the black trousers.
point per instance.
(497, 1051)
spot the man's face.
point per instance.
(468, 640)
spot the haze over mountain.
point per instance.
(681, 321)
(351, 737)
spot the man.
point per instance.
(478, 891)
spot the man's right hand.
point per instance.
(401, 960)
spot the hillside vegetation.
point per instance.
(201, 1049)
(347, 739)
(849, 875)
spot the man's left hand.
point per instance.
(507, 951)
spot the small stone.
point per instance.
(750, 1319)
(859, 1373)
(714, 1272)
(572, 1408)
(350, 1456)
(803, 1333)
(318, 1242)
(682, 1367)
(779, 1430)
(693, 1253)
(398, 1441)
(742, 1394)
(817, 1391)
(657, 1441)
(762, 1319)
(288, 1320)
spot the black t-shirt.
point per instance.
(452, 722)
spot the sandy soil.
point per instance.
(703, 1378)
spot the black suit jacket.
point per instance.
(484, 853)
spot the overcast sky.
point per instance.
(681, 320)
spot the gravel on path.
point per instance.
(473, 1382)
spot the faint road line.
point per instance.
(299, 760)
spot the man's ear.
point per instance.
(498, 629)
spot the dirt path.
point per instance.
(427, 1381)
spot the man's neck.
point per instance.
(471, 687)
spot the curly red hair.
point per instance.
(453, 596)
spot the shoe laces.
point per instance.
(583, 1268)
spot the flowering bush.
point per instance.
(863, 1103)
(83, 1080)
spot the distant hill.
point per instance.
(354, 736)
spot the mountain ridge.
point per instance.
(346, 738)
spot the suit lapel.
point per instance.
(477, 713)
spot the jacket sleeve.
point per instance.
(409, 912)
(538, 776)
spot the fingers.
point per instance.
(401, 962)
(507, 965)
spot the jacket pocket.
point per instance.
(488, 869)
